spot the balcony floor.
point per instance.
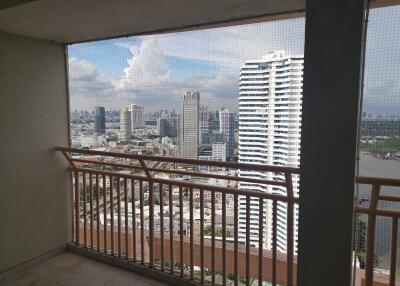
(69, 269)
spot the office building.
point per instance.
(227, 128)
(125, 124)
(205, 117)
(137, 120)
(188, 134)
(100, 119)
(167, 127)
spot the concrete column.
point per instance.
(329, 135)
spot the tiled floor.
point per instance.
(69, 269)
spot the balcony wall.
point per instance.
(33, 115)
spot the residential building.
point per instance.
(269, 134)
(100, 119)
(188, 134)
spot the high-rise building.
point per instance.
(167, 127)
(227, 127)
(269, 134)
(188, 131)
(205, 117)
(125, 124)
(137, 120)
(100, 119)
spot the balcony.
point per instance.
(159, 217)
(70, 221)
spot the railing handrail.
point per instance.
(378, 181)
(233, 165)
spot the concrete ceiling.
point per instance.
(69, 21)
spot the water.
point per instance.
(390, 168)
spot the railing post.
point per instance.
(369, 263)
(151, 211)
(290, 231)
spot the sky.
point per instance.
(156, 70)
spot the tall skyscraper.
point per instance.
(125, 124)
(188, 131)
(137, 120)
(269, 134)
(100, 119)
(205, 117)
(227, 127)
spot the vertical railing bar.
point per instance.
(201, 236)
(393, 253)
(260, 240)
(162, 226)
(112, 213)
(247, 240)
(105, 212)
(212, 238)
(133, 220)
(126, 219)
(141, 223)
(274, 238)
(171, 230)
(369, 263)
(191, 234)
(98, 213)
(151, 210)
(290, 230)
(84, 209)
(224, 239)
(236, 223)
(91, 208)
(181, 230)
(151, 223)
(77, 209)
(119, 215)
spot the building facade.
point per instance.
(188, 131)
(137, 120)
(269, 134)
(167, 127)
(125, 124)
(205, 117)
(227, 128)
(100, 119)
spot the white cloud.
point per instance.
(147, 79)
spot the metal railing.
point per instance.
(161, 212)
(373, 211)
(141, 209)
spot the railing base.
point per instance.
(132, 266)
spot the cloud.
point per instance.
(147, 79)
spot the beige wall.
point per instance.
(34, 184)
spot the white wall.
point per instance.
(34, 184)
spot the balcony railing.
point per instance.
(373, 211)
(192, 220)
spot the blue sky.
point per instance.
(156, 70)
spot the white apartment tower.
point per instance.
(125, 124)
(136, 116)
(269, 134)
(188, 131)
